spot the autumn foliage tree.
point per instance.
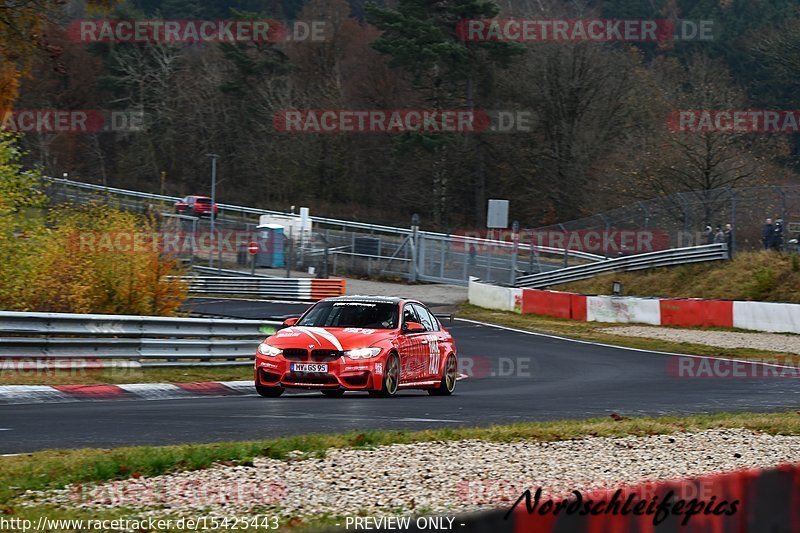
(21, 27)
(70, 260)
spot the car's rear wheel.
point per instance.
(336, 393)
(269, 392)
(391, 378)
(449, 378)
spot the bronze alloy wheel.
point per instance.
(391, 378)
(449, 378)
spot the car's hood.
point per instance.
(327, 338)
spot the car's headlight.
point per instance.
(362, 353)
(266, 349)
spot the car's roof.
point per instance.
(199, 197)
(366, 298)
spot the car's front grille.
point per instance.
(310, 379)
(325, 356)
(295, 354)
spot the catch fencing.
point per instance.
(350, 248)
(683, 217)
(337, 247)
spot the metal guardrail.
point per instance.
(148, 341)
(224, 272)
(671, 257)
(310, 289)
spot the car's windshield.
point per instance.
(372, 315)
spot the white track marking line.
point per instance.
(641, 350)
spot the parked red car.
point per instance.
(359, 343)
(198, 206)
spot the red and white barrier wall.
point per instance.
(757, 316)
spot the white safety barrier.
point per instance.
(693, 312)
(623, 309)
(494, 296)
(764, 316)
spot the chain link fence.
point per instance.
(681, 219)
(340, 248)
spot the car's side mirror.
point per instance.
(289, 322)
(413, 327)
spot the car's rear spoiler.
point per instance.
(442, 317)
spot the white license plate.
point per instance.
(306, 367)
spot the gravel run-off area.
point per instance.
(773, 342)
(433, 477)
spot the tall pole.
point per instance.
(514, 252)
(413, 242)
(213, 205)
(288, 253)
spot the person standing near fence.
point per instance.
(719, 236)
(777, 236)
(767, 234)
(708, 235)
(729, 238)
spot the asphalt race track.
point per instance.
(518, 377)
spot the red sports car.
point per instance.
(359, 343)
(198, 206)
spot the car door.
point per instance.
(410, 347)
(430, 349)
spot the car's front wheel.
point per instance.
(391, 378)
(449, 378)
(269, 392)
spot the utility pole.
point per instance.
(514, 252)
(213, 205)
(414, 233)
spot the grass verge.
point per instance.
(83, 376)
(761, 276)
(57, 468)
(594, 331)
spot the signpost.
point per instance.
(252, 249)
(496, 218)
